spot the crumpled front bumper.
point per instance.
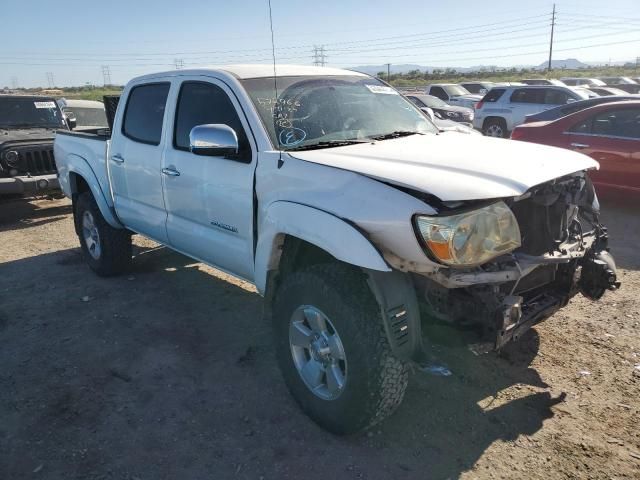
(24, 185)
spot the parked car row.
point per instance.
(607, 132)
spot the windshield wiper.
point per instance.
(396, 134)
(326, 144)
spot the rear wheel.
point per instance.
(106, 250)
(495, 127)
(333, 350)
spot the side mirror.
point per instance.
(70, 118)
(213, 140)
(571, 100)
(429, 113)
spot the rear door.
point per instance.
(612, 138)
(135, 157)
(526, 101)
(209, 199)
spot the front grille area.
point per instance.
(36, 160)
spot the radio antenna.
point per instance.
(275, 79)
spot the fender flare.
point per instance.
(79, 166)
(322, 229)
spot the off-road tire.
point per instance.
(493, 125)
(115, 255)
(376, 380)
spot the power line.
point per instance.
(430, 34)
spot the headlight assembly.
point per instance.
(471, 238)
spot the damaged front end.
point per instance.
(563, 250)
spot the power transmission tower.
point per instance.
(106, 75)
(179, 63)
(388, 71)
(319, 56)
(14, 82)
(553, 24)
(50, 79)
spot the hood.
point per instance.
(455, 108)
(471, 97)
(24, 135)
(454, 166)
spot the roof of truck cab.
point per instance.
(259, 71)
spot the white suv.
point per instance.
(504, 108)
(453, 94)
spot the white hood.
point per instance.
(455, 166)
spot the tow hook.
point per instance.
(598, 275)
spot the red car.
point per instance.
(608, 133)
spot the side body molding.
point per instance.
(322, 229)
(76, 165)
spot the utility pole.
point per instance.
(388, 71)
(553, 24)
(106, 75)
(319, 56)
(50, 79)
(179, 63)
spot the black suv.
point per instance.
(27, 127)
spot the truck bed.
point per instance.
(82, 152)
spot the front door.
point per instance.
(209, 199)
(135, 158)
(613, 139)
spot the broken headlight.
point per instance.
(471, 238)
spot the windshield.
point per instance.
(87, 117)
(19, 112)
(455, 90)
(320, 111)
(433, 102)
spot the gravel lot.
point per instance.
(168, 373)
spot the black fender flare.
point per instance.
(398, 302)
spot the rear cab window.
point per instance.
(439, 92)
(144, 113)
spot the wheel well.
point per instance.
(78, 186)
(293, 254)
(298, 254)
(499, 119)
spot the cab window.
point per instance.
(144, 113)
(201, 103)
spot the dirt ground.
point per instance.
(168, 373)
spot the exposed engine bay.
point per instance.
(563, 251)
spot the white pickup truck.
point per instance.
(352, 215)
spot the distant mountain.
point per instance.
(374, 69)
(569, 63)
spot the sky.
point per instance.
(69, 41)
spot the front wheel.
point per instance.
(333, 350)
(106, 250)
(495, 127)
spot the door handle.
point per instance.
(171, 172)
(579, 145)
(117, 158)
